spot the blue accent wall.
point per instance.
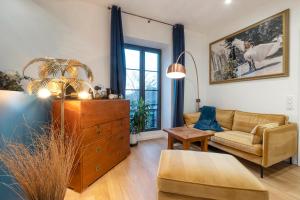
(18, 111)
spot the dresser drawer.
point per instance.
(119, 148)
(92, 170)
(121, 125)
(96, 150)
(93, 113)
(91, 134)
(95, 161)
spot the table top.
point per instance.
(186, 133)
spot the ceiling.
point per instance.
(196, 15)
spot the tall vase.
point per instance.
(134, 139)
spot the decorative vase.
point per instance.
(133, 139)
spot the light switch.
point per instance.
(290, 102)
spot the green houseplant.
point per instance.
(141, 112)
(11, 81)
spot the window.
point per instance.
(143, 68)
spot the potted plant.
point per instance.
(11, 81)
(141, 112)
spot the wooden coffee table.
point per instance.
(187, 136)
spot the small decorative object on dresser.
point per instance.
(104, 128)
(97, 92)
(113, 96)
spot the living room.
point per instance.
(138, 69)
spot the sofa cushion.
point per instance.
(245, 122)
(225, 118)
(192, 126)
(258, 131)
(191, 118)
(207, 175)
(238, 140)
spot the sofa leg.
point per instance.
(261, 172)
(291, 160)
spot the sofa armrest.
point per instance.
(191, 118)
(279, 143)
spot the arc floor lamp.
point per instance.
(178, 71)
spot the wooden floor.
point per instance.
(135, 177)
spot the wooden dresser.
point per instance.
(104, 127)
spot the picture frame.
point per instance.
(258, 51)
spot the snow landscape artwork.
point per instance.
(259, 51)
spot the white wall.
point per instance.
(80, 29)
(265, 96)
(196, 44)
(75, 29)
(65, 29)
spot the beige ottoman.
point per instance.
(191, 175)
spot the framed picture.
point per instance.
(256, 52)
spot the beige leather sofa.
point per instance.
(264, 139)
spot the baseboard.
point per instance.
(150, 135)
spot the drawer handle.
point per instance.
(98, 149)
(97, 168)
(98, 130)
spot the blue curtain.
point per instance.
(117, 53)
(178, 47)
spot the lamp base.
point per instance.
(198, 105)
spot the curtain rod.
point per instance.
(149, 19)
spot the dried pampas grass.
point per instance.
(43, 169)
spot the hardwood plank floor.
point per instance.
(135, 177)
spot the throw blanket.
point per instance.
(207, 120)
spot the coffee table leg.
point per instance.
(186, 145)
(204, 145)
(170, 142)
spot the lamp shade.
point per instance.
(176, 71)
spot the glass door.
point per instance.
(143, 71)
